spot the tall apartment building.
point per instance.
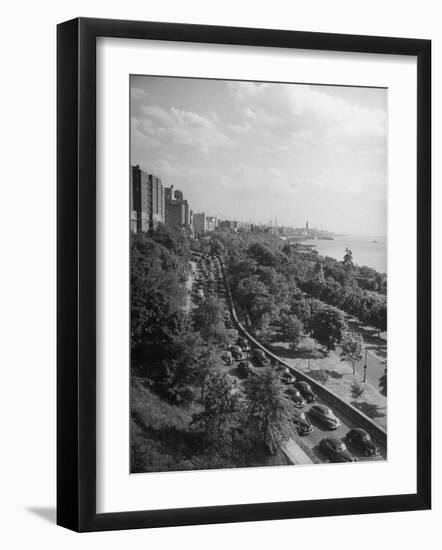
(199, 223)
(211, 223)
(147, 201)
(177, 211)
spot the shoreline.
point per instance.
(362, 255)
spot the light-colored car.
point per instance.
(237, 353)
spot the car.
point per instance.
(287, 377)
(227, 357)
(306, 391)
(296, 397)
(302, 423)
(336, 450)
(325, 416)
(361, 439)
(245, 368)
(237, 353)
(244, 344)
(260, 357)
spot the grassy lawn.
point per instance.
(161, 436)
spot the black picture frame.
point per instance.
(77, 287)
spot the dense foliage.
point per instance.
(186, 412)
(271, 279)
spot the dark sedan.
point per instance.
(245, 369)
(336, 450)
(306, 391)
(302, 423)
(260, 357)
(325, 416)
(360, 438)
(296, 397)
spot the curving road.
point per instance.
(306, 448)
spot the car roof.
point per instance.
(333, 440)
(360, 431)
(321, 407)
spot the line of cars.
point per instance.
(334, 448)
(208, 279)
(300, 392)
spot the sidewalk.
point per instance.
(295, 454)
(339, 381)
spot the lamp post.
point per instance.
(365, 365)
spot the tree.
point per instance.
(348, 258)
(157, 292)
(300, 307)
(321, 375)
(173, 375)
(307, 346)
(318, 272)
(270, 412)
(352, 347)
(383, 382)
(208, 319)
(327, 326)
(221, 417)
(356, 391)
(263, 254)
(205, 368)
(291, 329)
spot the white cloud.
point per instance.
(303, 108)
(138, 94)
(182, 128)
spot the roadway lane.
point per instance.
(313, 439)
(319, 432)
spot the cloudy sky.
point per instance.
(255, 151)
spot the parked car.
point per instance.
(244, 344)
(306, 391)
(302, 423)
(232, 335)
(237, 353)
(296, 397)
(227, 357)
(245, 368)
(361, 439)
(260, 357)
(325, 416)
(287, 377)
(336, 450)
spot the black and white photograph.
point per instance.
(258, 223)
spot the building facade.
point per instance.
(177, 211)
(147, 201)
(211, 223)
(199, 223)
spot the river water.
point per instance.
(369, 251)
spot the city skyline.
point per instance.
(256, 151)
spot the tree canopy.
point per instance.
(270, 411)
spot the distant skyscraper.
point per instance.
(199, 223)
(177, 209)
